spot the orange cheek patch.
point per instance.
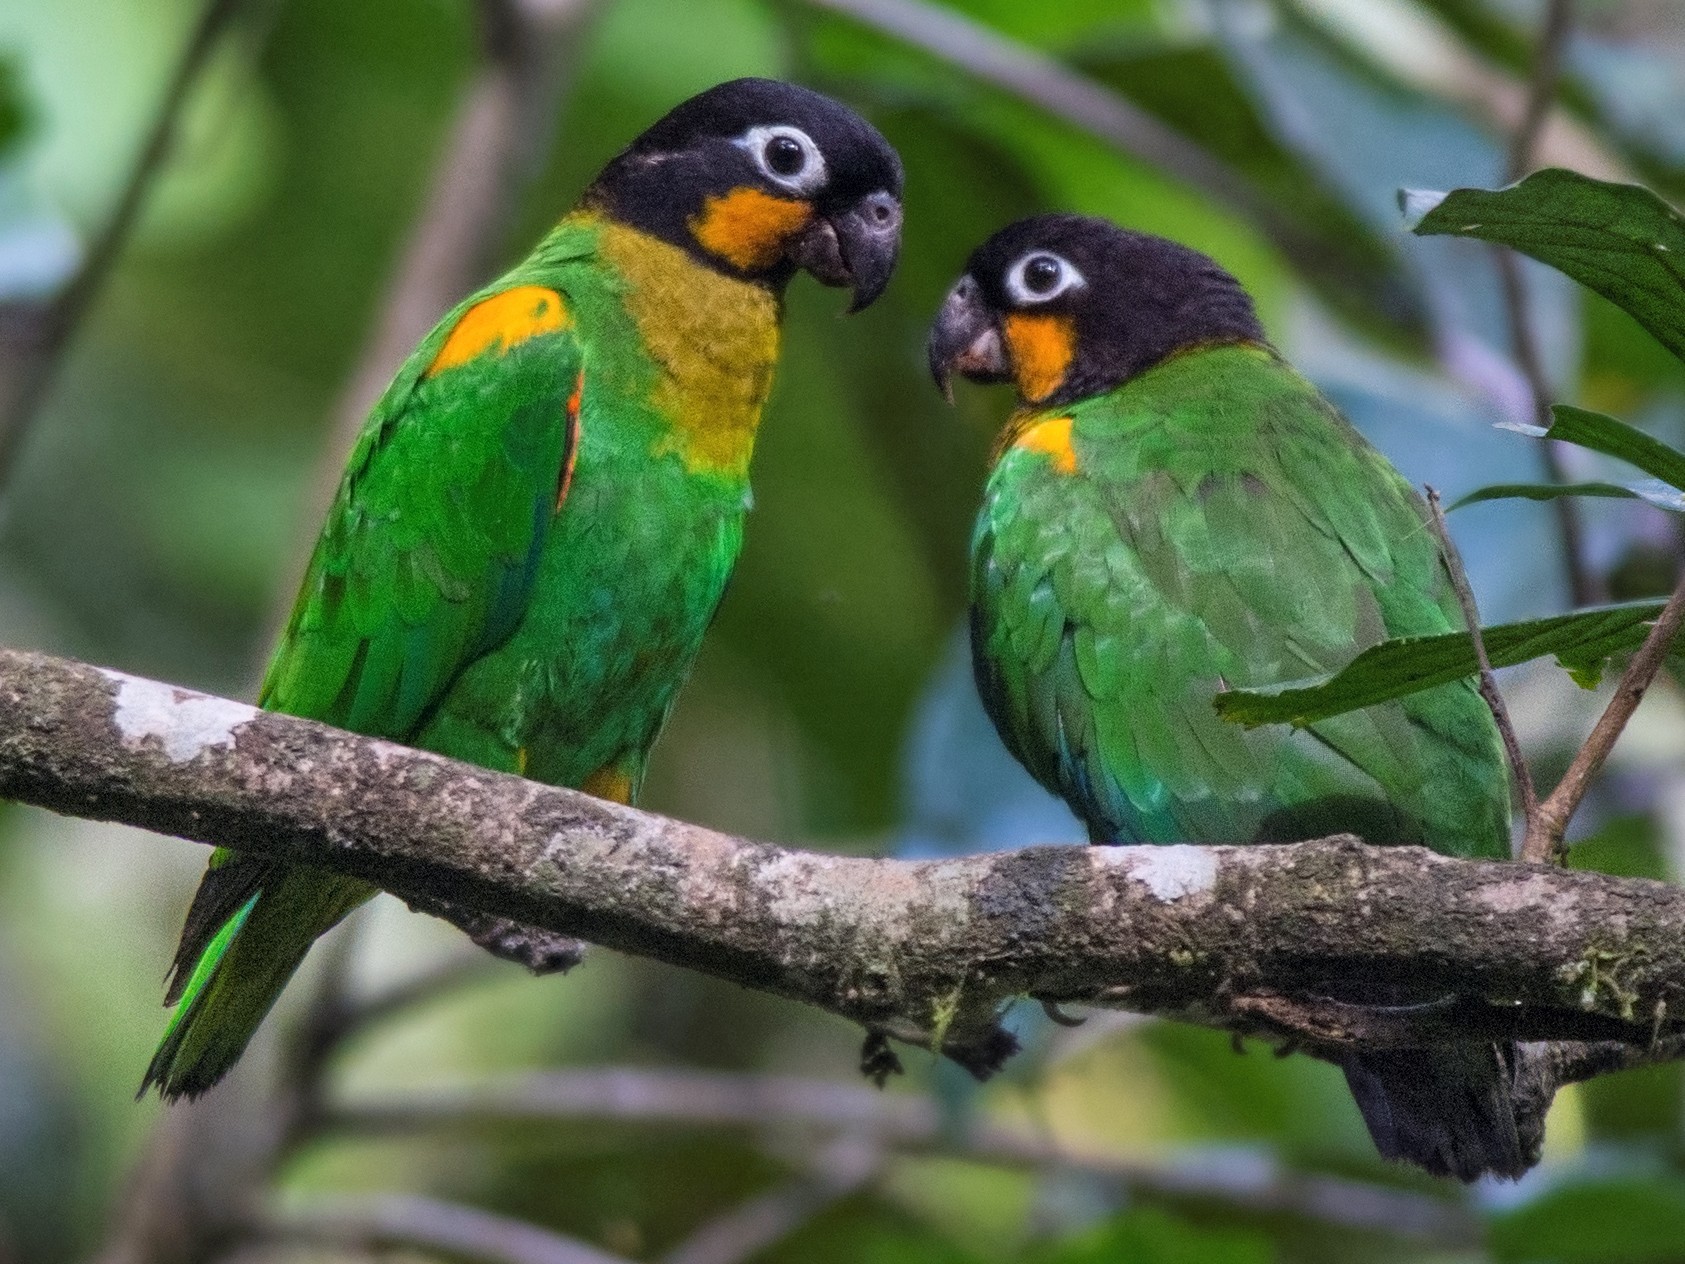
(500, 323)
(1052, 438)
(1041, 349)
(748, 228)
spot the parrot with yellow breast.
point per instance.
(540, 515)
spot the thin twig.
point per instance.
(27, 368)
(387, 1221)
(1585, 586)
(1488, 682)
(1545, 835)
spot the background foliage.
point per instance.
(157, 514)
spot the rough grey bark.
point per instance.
(1280, 941)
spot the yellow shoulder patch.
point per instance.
(501, 323)
(1052, 438)
(748, 228)
(1041, 348)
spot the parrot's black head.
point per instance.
(760, 179)
(1067, 306)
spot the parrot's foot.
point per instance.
(877, 1060)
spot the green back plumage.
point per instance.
(1214, 523)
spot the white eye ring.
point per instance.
(1017, 279)
(805, 178)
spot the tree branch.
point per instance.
(1282, 941)
(38, 344)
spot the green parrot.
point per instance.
(541, 513)
(1173, 511)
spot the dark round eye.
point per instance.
(785, 156)
(1042, 273)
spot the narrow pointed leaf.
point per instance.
(1651, 490)
(1620, 240)
(1582, 642)
(1541, 491)
(1617, 439)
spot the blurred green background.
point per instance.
(156, 519)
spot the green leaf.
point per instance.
(1613, 438)
(1582, 642)
(1660, 496)
(1639, 1218)
(1620, 240)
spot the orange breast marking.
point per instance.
(1052, 438)
(748, 228)
(1042, 348)
(499, 324)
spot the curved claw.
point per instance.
(1057, 1015)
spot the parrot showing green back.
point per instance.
(541, 513)
(1174, 511)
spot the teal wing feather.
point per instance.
(1198, 546)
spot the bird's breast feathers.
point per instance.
(712, 341)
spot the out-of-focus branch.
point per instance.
(385, 1222)
(1545, 78)
(837, 1170)
(187, 1198)
(35, 341)
(505, 125)
(1585, 586)
(898, 1122)
(1066, 94)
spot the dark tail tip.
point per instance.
(1450, 1110)
(173, 1080)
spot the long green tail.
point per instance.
(241, 972)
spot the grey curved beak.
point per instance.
(857, 247)
(964, 339)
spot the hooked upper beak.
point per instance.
(964, 338)
(857, 247)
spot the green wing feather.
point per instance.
(426, 563)
(1223, 527)
(429, 553)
